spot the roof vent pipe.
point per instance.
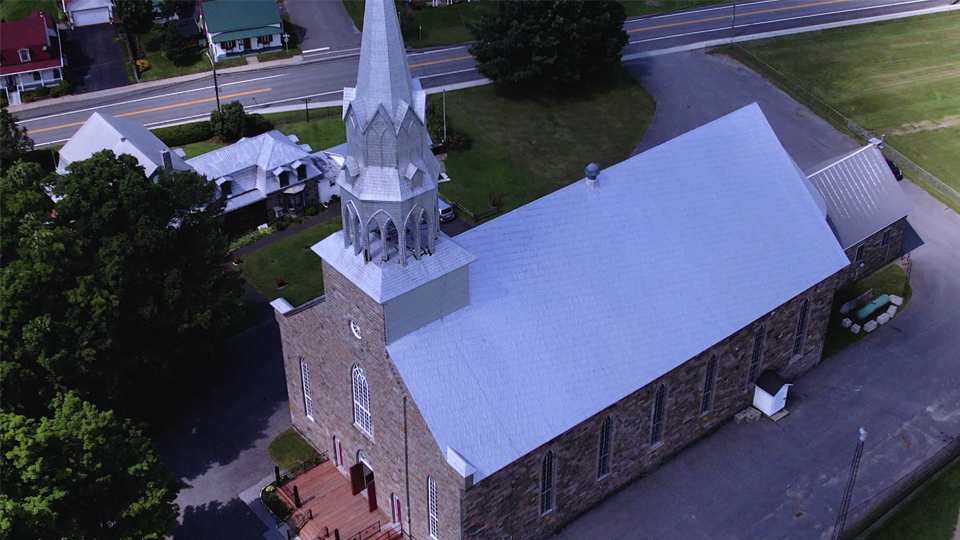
(592, 170)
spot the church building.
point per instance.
(498, 385)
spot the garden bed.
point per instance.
(890, 280)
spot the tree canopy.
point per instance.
(81, 473)
(119, 292)
(230, 122)
(136, 16)
(14, 142)
(548, 46)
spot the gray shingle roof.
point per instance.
(105, 132)
(862, 195)
(587, 294)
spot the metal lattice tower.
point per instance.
(848, 492)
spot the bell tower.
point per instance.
(388, 185)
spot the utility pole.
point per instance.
(306, 108)
(848, 492)
(733, 20)
(213, 63)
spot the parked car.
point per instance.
(446, 211)
(897, 173)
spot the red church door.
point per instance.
(372, 494)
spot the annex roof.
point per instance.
(37, 34)
(232, 15)
(586, 295)
(862, 195)
(105, 132)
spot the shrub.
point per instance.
(256, 124)
(312, 211)
(62, 88)
(142, 65)
(229, 122)
(458, 141)
(41, 91)
(185, 133)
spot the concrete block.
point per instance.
(892, 311)
(855, 328)
(846, 323)
(883, 319)
(870, 326)
(896, 300)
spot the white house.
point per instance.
(30, 55)
(241, 27)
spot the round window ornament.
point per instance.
(355, 328)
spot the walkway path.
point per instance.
(902, 384)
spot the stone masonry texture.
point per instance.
(875, 254)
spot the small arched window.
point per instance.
(433, 523)
(757, 358)
(801, 328)
(305, 385)
(656, 427)
(708, 384)
(361, 401)
(546, 483)
(606, 442)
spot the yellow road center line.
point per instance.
(153, 109)
(743, 14)
(440, 61)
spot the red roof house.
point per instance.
(30, 54)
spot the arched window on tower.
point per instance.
(708, 384)
(546, 483)
(361, 401)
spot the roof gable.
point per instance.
(31, 34)
(861, 194)
(105, 132)
(675, 250)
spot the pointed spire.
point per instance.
(384, 77)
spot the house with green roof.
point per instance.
(241, 27)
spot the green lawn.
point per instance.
(160, 66)
(899, 78)
(933, 515)
(636, 8)
(289, 450)
(525, 149)
(888, 280)
(195, 149)
(14, 10)
(292, 260)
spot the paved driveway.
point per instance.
(902, 384)
(94, 58)
(218, 447)
(322, 23)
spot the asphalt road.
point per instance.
(321, 78)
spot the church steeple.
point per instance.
(388, 184)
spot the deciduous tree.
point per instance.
(548, 46)
(81, 473)
(174, 45)
(14, 142)
(230, 122)
(136, 16)
(120, 294)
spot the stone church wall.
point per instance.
(322, 336)
(875, 254)
(505, 505)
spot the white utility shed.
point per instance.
(770, 393)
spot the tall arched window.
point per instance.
(305, 384)
(606, 442)
(656, 427)
(546, 483)
(361, 401)
(757, 357)
(433, 523)
(801, 328)
(708, 383)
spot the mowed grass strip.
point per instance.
(524, 149)
(900, 78)
(292, 260)
(933, 515)
(289, 449)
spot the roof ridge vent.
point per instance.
(592, 170)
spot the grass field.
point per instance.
(900, 78)
(14, 10)
(933, 515)
(289, 450)
(292, 260)
(525, 149)
(446, 25)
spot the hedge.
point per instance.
(185, 133)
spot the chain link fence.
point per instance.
(817, 105)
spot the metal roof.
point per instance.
(231, 15)
(586, 295)
(862, 195)
(248, 33)
(105, 132)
